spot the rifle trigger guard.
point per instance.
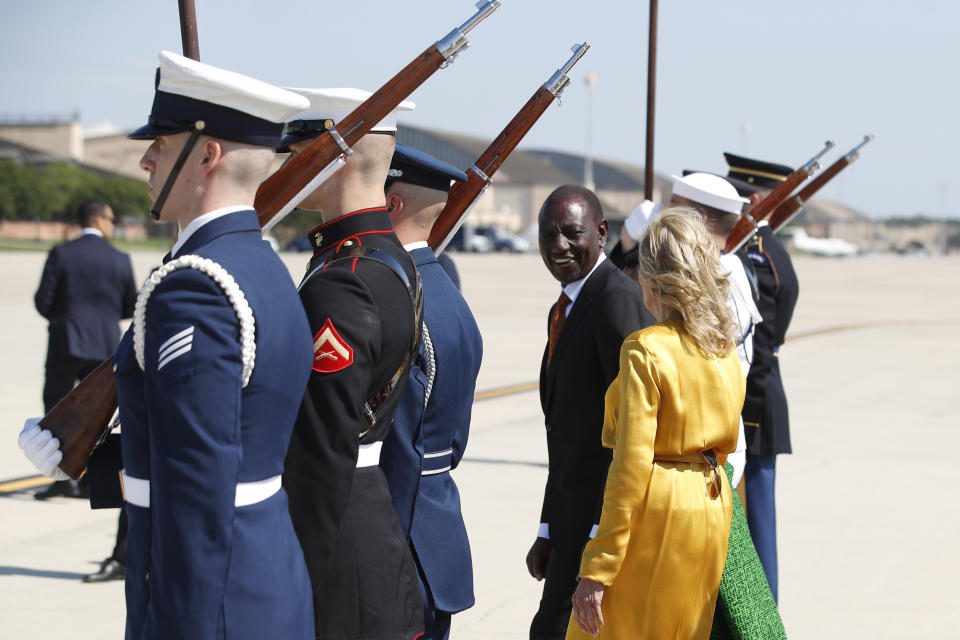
(106, 431)
(347, 151)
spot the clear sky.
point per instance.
(772, 80)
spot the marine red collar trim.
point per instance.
(345, 216)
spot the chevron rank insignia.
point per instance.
(330, 351)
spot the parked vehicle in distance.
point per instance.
(467, 239)
(504, 240)
(831, 247)
(299, 244)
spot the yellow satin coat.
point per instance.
(662, 541)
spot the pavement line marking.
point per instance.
(504, 391)
(843, 327)
(864, 325)
(19, 484)
(526, 463)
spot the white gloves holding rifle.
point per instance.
(42, 449)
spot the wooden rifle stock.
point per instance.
(747, 224)
(297, 179)
(83, 417)
(188, 29)
(787, 210)
(463, 195)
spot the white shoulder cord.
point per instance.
(230, 287)
(431, 364)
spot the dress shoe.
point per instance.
(64, 488)
(109, 570)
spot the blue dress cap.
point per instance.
(418, 168)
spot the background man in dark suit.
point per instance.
(87, 287)
(598, 308)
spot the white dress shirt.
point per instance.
(199, 221)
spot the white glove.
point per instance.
(738, 459)
(41, 449)
(638, 221)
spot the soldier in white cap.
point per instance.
(210, 375)
(362, 298)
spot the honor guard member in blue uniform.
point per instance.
(765, 409)
(432, 423)
(210, 375)
(362, 298)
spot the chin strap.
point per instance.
(198, 128)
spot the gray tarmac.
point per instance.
(867, 505)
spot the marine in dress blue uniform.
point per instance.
(362, 297)
(765, 416)
(209, 379)
(432, 423)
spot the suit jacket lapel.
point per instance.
(571, 328)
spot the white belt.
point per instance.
(369, 454)
(136, 491)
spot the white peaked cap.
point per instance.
(336, 104)
(231, 105)
(187, 77)
(710, 190)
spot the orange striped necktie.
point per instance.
(556, 322)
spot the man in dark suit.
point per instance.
(765, 417)
(87, 287)
(432, 423)
(598, 308)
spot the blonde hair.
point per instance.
(681, 262)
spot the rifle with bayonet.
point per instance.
(464, 196)
(783, 214)
(82, 419)
(748, 223)
(300, 177)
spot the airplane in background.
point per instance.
(832, 247)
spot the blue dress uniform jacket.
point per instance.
(363, 320)
(765, 418)
(197, 565)
(425, 443)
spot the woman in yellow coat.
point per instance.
(654, 567)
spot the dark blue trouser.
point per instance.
(760, 477)
(436, 624)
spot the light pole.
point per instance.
(590, 80)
